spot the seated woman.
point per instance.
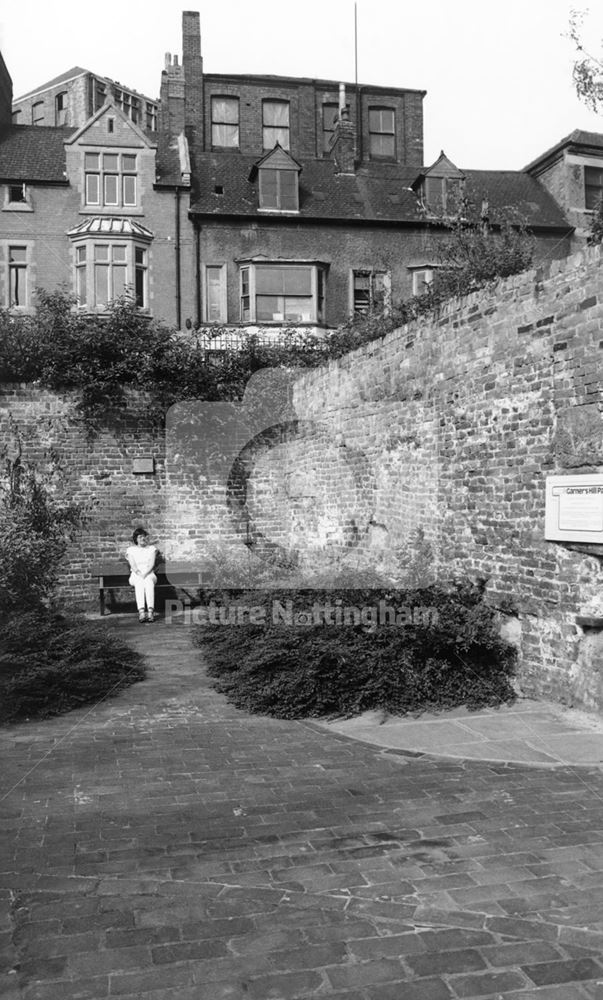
(142, 557)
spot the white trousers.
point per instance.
(144, 590)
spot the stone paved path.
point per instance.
(165, 846)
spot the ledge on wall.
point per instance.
(590, 621)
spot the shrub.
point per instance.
(451, 656)
(50, 664)
(35, 526)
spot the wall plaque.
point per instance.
(574, 508)
(143, 465)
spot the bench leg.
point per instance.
(101, 597)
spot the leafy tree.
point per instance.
(588, 69)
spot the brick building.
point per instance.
(308, 199)
(74, 96)
(100, 210)
(572, 170)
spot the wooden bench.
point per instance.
(115, 575)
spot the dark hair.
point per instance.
(138, 533)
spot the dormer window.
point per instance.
(279, 190)
(110, 180)
(278, 181)
(443, 194)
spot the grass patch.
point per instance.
(442, 650)
(50, 664)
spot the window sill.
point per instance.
(21, 310)
(110, 210)
(279, 211)
(17, 207)
(105, 311)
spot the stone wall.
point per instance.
(449, 426)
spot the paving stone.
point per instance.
(569, 971)
(235, 858)
(425, 989)
(366, 973)
(445, 962)
(285, 985)
(486, 984)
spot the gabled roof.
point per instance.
(70, 74)
(578, 140)
(443, 167)
(111, 108)
(277, 159)
(376, 193)
(34, 153)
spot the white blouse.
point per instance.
(141, 557)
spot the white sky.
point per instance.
(497, 74)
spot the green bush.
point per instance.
(444, 652)
(50, 664)
(36, 522)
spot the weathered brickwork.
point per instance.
(449, 425)
(481, 404)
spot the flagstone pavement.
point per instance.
(165, 846)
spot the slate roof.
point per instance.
(376, 192)
(68, 75)
(518, 190)
(71, 74)
(34, 153)
(591, 140)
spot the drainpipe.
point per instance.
(198, 272)
(359, 142)
(178, 275)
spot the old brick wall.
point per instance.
(95, 469)
(461, 419)
(448, 425)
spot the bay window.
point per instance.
(282, 293)
(111, 261)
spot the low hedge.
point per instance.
(50, 664)
(445, 650)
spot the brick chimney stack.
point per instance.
(172, 97)
(192, 63)
(343, 143)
